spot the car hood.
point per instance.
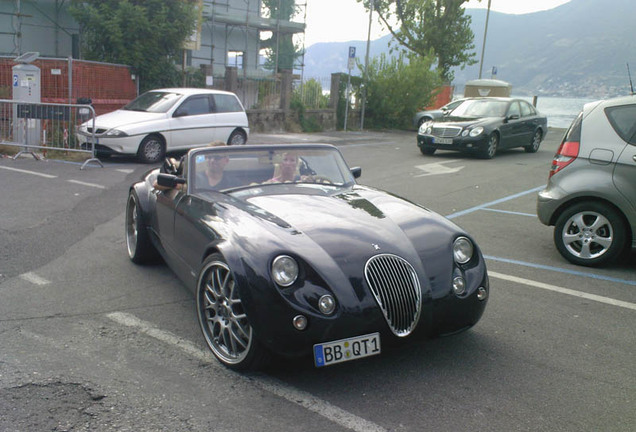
(121, 118)
(360, 223)
(466, 121)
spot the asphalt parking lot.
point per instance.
(92, 342)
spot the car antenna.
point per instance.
(630, 79)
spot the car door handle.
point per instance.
(634, 157)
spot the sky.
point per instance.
(346, 20)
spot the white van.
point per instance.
(166, 120)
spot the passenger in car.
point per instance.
(173, 166)
(287, 170)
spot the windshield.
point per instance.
(153, 101)
(226, 169)
(481, 108)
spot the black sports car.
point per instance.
(483, 126)
(287, 255)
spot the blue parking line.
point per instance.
(509, 212)
(491, 203)
(562, 270)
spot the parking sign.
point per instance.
(352, 57)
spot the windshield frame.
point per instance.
(264, 155)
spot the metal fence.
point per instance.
(52, 129)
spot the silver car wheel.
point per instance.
(237, 138)
(536, 142)
(587, 235)
(151, 149)
(131, 226)
(222, 318)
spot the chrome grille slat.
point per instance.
(446, 131)
(396, 288)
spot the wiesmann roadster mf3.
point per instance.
(288, 256)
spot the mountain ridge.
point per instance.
(578, 49)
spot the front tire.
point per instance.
(151, 150)
(491, 149)
(590, 234)
(140, 248)
(536, 141)
(237, 137)
(223, 320)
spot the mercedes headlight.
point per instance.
(462, 250)
(476, 131)
(284, 270)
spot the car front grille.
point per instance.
(396, 288)
(97, 131)
(446, 132)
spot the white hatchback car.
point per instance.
(166, 120)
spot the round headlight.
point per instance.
(462, 250)
(476, 131)
(465, 132)
(284, 270)
(327, 304)
(459, 285)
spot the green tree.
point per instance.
(281, 51)
(145, 34)
(424, 26)
(396, 87)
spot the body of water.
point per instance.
(560, 111)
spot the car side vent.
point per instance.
(396, 288)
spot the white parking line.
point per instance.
(593, 297)
(34, 279)
(272, 385)
(87, 184)
(28, 172)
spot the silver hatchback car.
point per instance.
(590, 197)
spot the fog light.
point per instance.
(300, 322)
(459, 285)
(327, 304)
(482, 294)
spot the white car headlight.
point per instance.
(462, 250)
(284, 270)
(476, 131)
(115, 133)
(423, 127)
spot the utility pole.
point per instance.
(483, 47)
(366, 67)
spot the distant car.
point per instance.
(483, 126)
(428, 115)
(590, 197)
(165, 120)
(304, 261)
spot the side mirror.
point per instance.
(513, 117)
(356, 172)
(170, 181)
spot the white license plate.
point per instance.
(328, 353)
(442, 140)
